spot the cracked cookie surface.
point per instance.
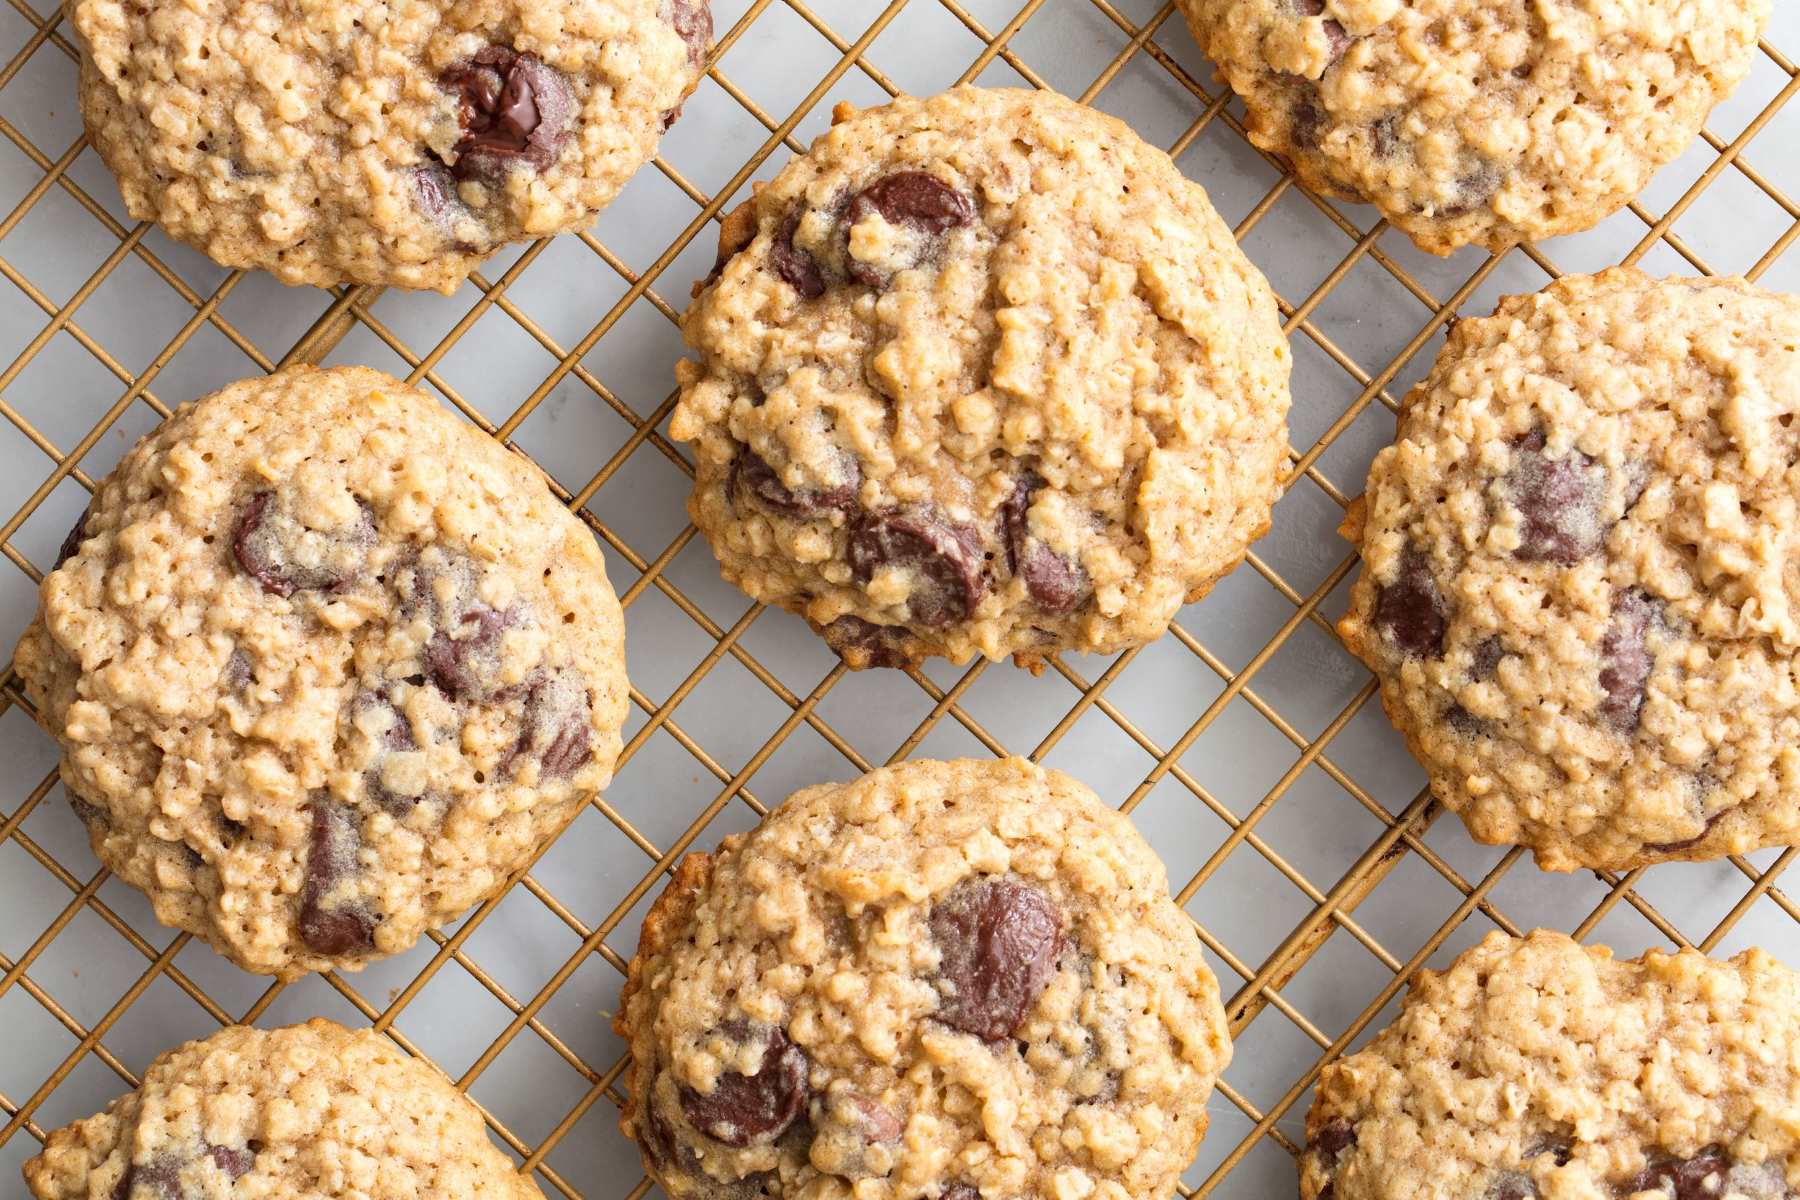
(1539, 1068)
(1479, 121)
(302, 1113)
(982, 374)
(1579, 583)
(943, 980)
(326, 664)
(379, 141)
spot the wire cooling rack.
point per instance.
(1244, 744)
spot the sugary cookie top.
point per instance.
(380, 141)
(1542, 1068)
(982, 374)
(943, 980)
(1480, 121)
(1580, 588)
(309, 1112)
(326, 664)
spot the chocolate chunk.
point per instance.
(236, 1162)
(742, 1109)
(435, 189)
(1055, 583)
(558, 724)
(759, 479)
(1474, 189)
(159, 1179)
(997, 942)
(797, 267)
(516, 110)
(1410, 610)
(863, 644)
(693, 22)
(960, 1191)
(1559, 503)
(237, 672)
(945, 559)
(915, 200)
(71, 544)
(286, 556)
(1307, 117)
(1701, 1177)
(327, 930)
(1337, 39)
(1466, 723)
(1332, 1139)
(1625, 660)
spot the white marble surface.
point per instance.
(1235, 754)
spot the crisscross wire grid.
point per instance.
(1244, 744)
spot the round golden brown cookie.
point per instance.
(1479, 121)
(309, 1112)
(379, 141)
(982, 374)
(1540, 1069)
(327, 664)
(1579, 587)
(941, 981)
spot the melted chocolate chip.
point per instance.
(944, 558)
(395, 736)
(1410, 610)
(1485, 660)
(286, 556)
(516, 110)
(1701, 1177)
(742, 1109)
(464, 660)
(864, 644)
(1332, 1139)
(236, 1162)
(693, 23)
(1055, 583)
(759, 479)
(71, 544)
(997, 942)
(325, 929)
(1559, 503)
(796, 267)
(960, 1191)
(1466, 723)
(915, 200)
(1625, 660)
(91, 815)
(1686, 843)
(1385, 133)
(435, 189)
(1511, 1185)
(558, 724)
(1560, 1146)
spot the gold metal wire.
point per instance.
(1333, 903)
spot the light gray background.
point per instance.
(1249, 899)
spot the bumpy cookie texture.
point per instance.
(1479, 121)
(1538, 1067)
(379, 141)
(940, 981)
(326, 664)
(303, 1113)
(1579, 588)
(982, 374)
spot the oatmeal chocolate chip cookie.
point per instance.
(303, 1113)
(982, 374)
(1580, 587)
(942, 981)
(1479, 121)
(1538, 1067)
(326, 664)
(379, 141)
